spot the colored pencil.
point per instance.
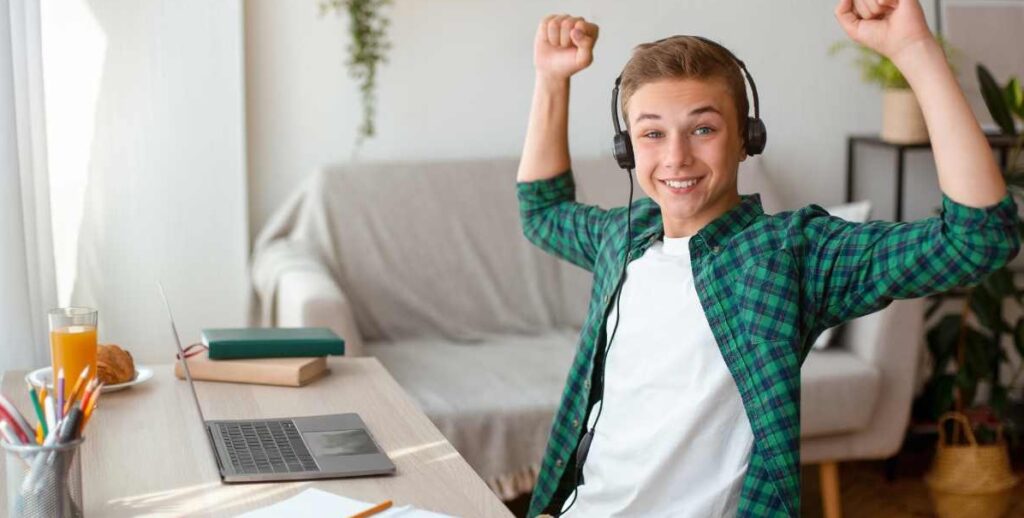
(40, 416)
(18, 421)
(51, 415)
(79, 385)
(60, 395)
(93, 400)
(373, 510)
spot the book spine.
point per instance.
(244, 373)
(255, 349)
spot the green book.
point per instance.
(272, 342)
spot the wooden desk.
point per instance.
(146, 453)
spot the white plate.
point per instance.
(44, 377)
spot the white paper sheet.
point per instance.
(316, 503)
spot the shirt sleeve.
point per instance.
(853, 269)
(553, 220)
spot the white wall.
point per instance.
(147, 138)
(459, 80)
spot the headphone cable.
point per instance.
(604, 359)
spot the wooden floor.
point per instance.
(865, 490)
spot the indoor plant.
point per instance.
(902, 119)
(967, 352)
(966, 346)
(367, 49)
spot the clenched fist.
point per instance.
(564, 45)
(886, 26)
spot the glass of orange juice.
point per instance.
(73, 343)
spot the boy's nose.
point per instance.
(678, 153)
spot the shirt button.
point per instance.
(558, 463)
(586, 384)
(575, 423)
(716, 249)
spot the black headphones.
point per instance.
(756, 137)
(623, 148)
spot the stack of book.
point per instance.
(268, 356)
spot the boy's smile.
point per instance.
(686, 139)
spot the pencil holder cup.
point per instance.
(43, 481)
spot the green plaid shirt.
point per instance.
(769, 285)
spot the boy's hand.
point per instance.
(564, 45)
(887, 26)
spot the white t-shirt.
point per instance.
(673, 439)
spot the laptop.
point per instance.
(291, 448)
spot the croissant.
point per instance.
(114, 365)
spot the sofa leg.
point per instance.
(830, 490)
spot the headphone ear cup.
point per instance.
(757, 136)
(622, 147)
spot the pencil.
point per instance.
(59, 409)
(87, 413)
(373, 510)
(90, 392)
(74, 391)
(51, 415)
(38, 407)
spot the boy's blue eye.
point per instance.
(652, 134)
(709, 130)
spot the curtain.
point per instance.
(27, 280)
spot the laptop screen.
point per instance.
(181, 353)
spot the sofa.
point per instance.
(424, 266)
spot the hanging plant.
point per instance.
(367, 49)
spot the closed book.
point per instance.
(272, 342)
(290, 372)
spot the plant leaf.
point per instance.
(1015, 97)
(942, 341)
(995, 101)
(938, 395)
(987, 308)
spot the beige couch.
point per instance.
(424, 266)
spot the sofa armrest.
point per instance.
(890, 340)
(311, 298)
(889, 335)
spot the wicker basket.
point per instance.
(970, 481)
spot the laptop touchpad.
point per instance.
(340, 442)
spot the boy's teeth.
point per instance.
(681, 185)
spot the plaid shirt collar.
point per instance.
(716, 233)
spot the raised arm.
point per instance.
(897, 29)
(563, 46)
(853, 269)
(551, 217)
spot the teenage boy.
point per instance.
(698, 382)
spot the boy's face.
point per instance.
(685, 129)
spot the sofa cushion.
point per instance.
(838, 392)
(494, 401)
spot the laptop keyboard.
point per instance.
(266, 447)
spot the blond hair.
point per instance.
(684, 57)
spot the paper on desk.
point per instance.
(315, 503)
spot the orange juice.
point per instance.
(73, 348)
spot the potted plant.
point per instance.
(902, 119)
(366, 51)
(974, 478)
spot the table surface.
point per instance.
(146, 453)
